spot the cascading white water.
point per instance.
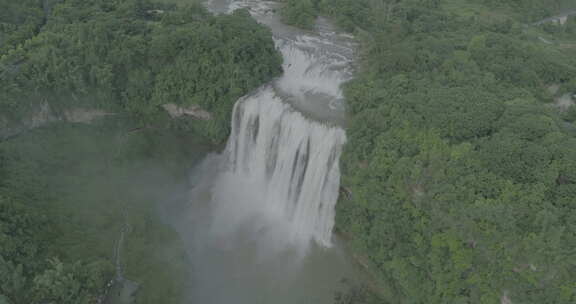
(290, 161)
(306, 70)
(281, 176)
(255, 209)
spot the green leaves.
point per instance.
(13, 283)
(301, 13)
(118, 57)
(461, 179)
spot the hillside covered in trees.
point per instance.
(459, 177)
(130, 57)
(68, 190)
(460, 170)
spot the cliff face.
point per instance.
(37, 118)
(43, 115)
(194, 111)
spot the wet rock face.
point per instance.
(176, 111)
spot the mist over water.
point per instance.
(245, 260)
(258, 219)
(282, 171)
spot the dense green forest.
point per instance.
(460, 171)
(130, 57)
(67, 190)
(370, 14)
(459, 178)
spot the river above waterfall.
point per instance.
(316, 63)
(257, 219)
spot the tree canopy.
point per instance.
(67, 191)
(131, 57)
(459, 167)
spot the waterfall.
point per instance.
(259, 215)
(280, 176)
(291, 161)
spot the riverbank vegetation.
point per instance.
(68, 190)
(460, 167)
(300, 13)
(130, 57)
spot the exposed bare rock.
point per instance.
(545, 40)
(40, 117)
(505, 299)
(79, 115)
(558, 20)
(155, 12)
(565, 101)
(194, 111)
(43, 115)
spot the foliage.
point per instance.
(20, 21)
(300, 13)
(459, 171)
(65, 194)
(532, 10)
(134, 56)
